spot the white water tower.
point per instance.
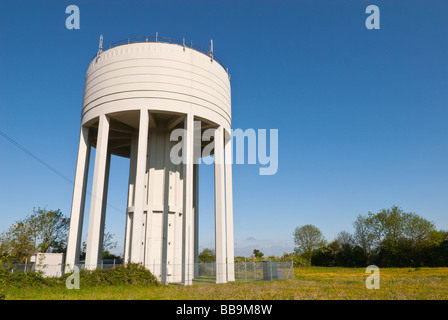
(136, 93)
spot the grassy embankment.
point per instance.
(309, 283)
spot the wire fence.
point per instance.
(201, 273)
(248, 271)
(264, 271)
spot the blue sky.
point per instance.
(362, 114)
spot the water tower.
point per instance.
(136, 93)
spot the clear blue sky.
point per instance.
(362, 114)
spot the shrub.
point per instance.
(298, 261)
(131, 274)
(205, 269)
(19, 279)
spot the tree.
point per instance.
(417, 229)
(42, 231)
(50, 230)
(258, 254)
(325, 256)
(308, 238)
(363, 236)
(206, 255)
(108, 245)
(392, 237)
(388, 238)
(345, 238)
(344, 245)
(17, 244)
(386, 224)
(108, 242)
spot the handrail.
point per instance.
(163, 40)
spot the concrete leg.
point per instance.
(96, 206)
(131, 195)
(229, 210)
(79, 197)
(220, 222)
(137, 252)
(188, 234)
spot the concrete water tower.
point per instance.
(136, 93)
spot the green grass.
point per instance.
(309, 283)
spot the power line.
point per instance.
(32, 155)
(18, 145)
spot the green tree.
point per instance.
(108, 242)
(325, 256)
(307, 239)
(392, 237)
(206, 255)
(108, 245)
(417, 229)
(42, 231)
(50, 230)
(344, 245)
(17, 243)
(258, 254)
(364, 237)
(386, 225)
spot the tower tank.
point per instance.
(138, 91)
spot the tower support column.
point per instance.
(188, 232)
(131, 197)
(196, 219)
(137, 251)
(220, 222)
(229, 209)
(94, 236)
(79, 198)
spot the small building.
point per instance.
(51, 264)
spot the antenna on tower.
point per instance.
(211, 50)
(100, 46)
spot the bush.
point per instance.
(131, 274)
(19, 279)
(206, 269)
(298, 261)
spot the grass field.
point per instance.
(308, 283)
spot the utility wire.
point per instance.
(18, 145)
(32, 155)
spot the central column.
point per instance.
(137, 252)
